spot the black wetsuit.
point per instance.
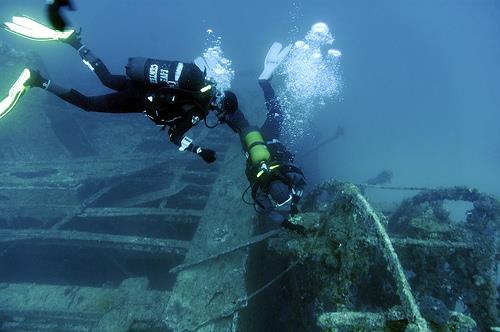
(271, 132)
(137, 97)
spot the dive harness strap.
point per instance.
(255, 144)
(279, 173)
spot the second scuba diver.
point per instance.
(171, 93)
(275, 182)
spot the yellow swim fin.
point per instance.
(15, 92)
(28, 28)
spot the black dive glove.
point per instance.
(299, 229)
(207, 155)
(56, 19)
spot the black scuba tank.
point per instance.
(164, 73)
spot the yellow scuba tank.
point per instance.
(256, 147)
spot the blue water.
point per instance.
(421, 77)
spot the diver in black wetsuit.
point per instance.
(171, 93)
(275, 181)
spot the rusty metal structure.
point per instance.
(409, 269)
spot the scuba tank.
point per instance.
(170, 85)
(266, 163)
(256, 148)
(164, 73)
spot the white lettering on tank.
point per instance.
(153, 72)
(178, 71)
(163, 75)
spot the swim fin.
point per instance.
(28, 28)
(15, 92)
(274, 58)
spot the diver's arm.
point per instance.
(275, 56)
(271, 128)
(115, 82)
(264, 206)
(176, 135)
(298, 183)
(272, 103)
(236, 121)
(54, 13)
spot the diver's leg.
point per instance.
(272, 103)
(126, 101)
(271, 127)
(275, 56)
(117, 102)
(115, 82)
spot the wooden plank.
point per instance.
(431, 244)
(131, 212)
(94, 240)
(75, 308)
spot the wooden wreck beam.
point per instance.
(76, 308)
(430, 244)
(246, 244)
(423, 243)
(81, 208)
(38, 237)
(380, 321)
(150, 196)
(132, 212)
(353, 320)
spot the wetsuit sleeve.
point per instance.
(126, 101)
(298, 184)
(177, 136)
(236, 121)
(114, 82)
(264, 206)
(271, 127)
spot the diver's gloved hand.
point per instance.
(54, 12)
(36, 79)
(206, 154)
(74, 40)
(299, 229)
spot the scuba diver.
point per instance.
(275, 182)
(171, 93)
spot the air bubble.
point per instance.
(320, 28)
(220, 68)
(311, 78)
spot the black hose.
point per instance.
(254, 204)
(243, 196)
(208, 126)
